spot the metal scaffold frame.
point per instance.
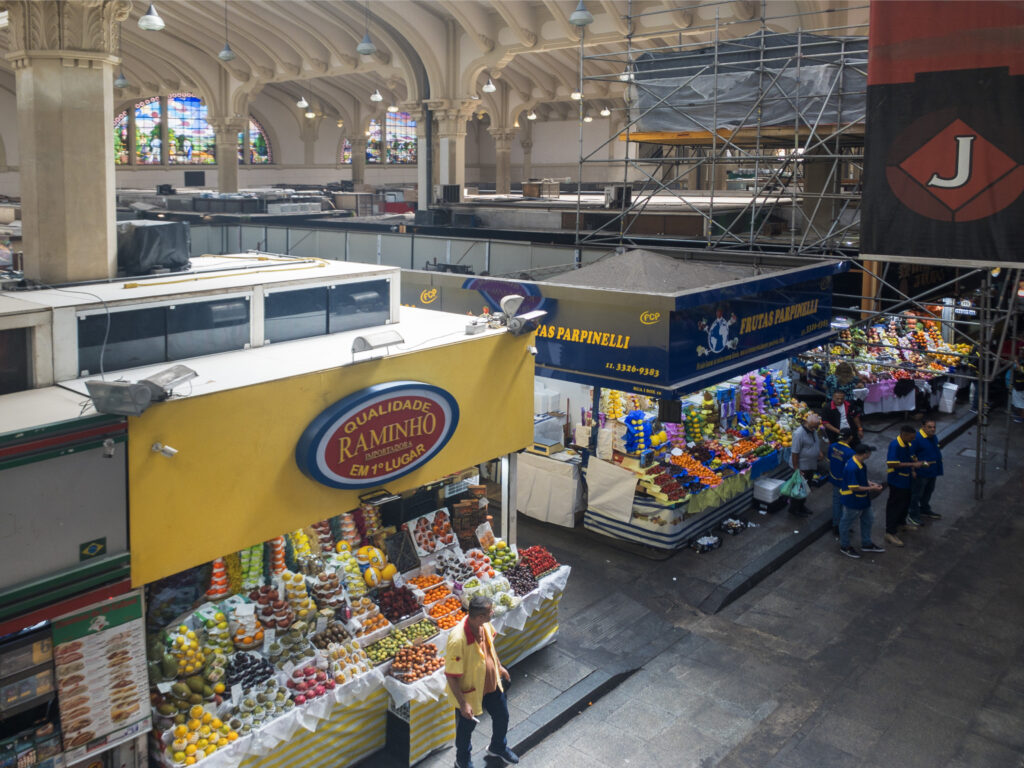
(678, 169)
(996, 311)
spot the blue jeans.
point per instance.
(850, 515)
(921, 489)
(497, 707)
(837, 506)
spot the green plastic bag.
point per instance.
(796, 487)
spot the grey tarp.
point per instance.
(771, 80)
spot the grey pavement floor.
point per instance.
(914, 657)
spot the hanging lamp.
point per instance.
(120, 81)
(151, 21)
(532, 115)
(302, 103)
(605, 112)
(489, 86)
(366, 46)
(581, 17)
(226, 53)
(375, 96)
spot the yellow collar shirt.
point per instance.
(465, 662)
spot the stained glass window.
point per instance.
(147, 131)
(190, 139)
(346, 152)
(121, 144)
(401, 137)
(373, 143)
(259, 147)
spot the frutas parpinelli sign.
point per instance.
(377, 434)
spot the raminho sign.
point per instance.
(377, 434)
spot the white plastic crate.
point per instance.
(767, 489)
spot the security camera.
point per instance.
(532, 350)
(108, 448)
(165, 450)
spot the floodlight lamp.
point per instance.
(588, 119)
(163, 383)
(310, 114)
(510, 304)
(151, 21)
(605, 112)
(165, 450)
(119, 398)
(392, 109)
(576, 95)
(369, 341)
(581, 17)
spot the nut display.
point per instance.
(335, 632)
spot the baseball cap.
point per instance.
(863, 448)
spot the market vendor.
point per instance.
(844, 379)
(474, 676)
(839, 414)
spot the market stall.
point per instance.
(657, 329)
(892, 360)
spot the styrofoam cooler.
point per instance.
(767, 489)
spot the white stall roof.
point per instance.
(209, 274)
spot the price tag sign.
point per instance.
(398, 580)
(164, 687)
(269, 635)
(321, 623)
(245, 609)
(236, 693)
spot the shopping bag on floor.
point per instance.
(796, 487)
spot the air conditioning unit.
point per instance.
(618, 195)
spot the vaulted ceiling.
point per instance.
(436, 49)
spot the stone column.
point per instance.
(502, 159)
(527, 145)
(63, 55)
(226, 130)
(417, 113)
(451, 131)
(358, 160)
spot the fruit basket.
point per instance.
(414, 663)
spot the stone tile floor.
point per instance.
(914, 657)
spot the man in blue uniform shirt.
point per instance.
(857, 503)
(900, 464)
(839, 453)
(926, 448)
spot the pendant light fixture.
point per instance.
(226, 53)
(151, 21)
(581, 17)
(120, 81)
(302, 103)
(392, 109)
(605, 112)
(375, 96)
(588, 119)
(532, 115)
(576, 96)
(310, 114)
(489, 86)
(366, 46)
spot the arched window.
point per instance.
(189, 136)
(259, 146)
(400, 130)
(346, 152)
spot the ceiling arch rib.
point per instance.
(519, 21)
(471, 19)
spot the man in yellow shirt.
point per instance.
(474, 678)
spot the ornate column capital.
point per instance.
(228, 126)
(503, 137)
(81, 31)
(452, 116)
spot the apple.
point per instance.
(300, 699)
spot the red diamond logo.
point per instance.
(956, 165)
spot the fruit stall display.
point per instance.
(312, 616)
(723, 432)
(906, 347)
